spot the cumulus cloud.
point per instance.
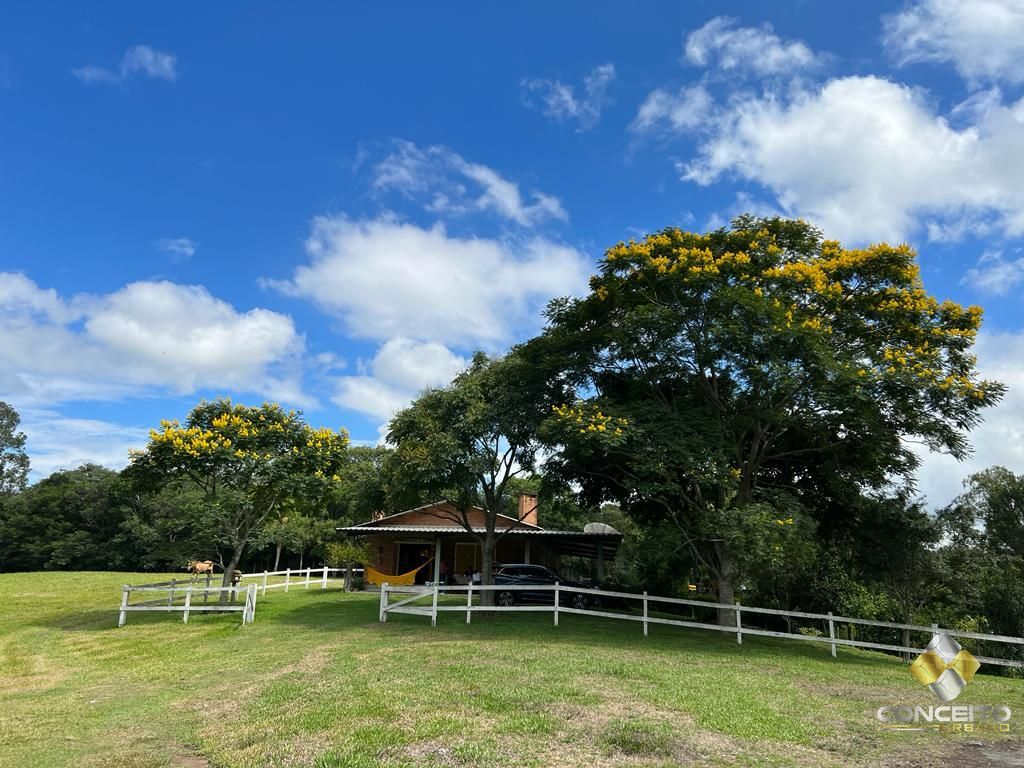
(1000, 439)
(138, 61)
(560, 102)
(869, 159)
(179, 248)
(758, 50)
(995, 275)
(983, 39)
(385, 278)
(401, 369)
(145, 337)
(449, 184)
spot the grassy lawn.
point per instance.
(318, 681)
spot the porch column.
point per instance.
(600, 562)
(437, 559)
(526, 550)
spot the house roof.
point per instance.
(377, 523)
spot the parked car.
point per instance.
(525, 573)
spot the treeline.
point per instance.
(94, 518)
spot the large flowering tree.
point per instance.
(249, 462)
(719, 376)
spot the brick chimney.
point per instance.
(528, 508)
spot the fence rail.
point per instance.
(186, 593)
(558, 606)
(303, 577)
(183, 594)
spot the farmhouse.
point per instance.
(421, 544)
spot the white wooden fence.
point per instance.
(184, 594)
(564, 597)
(302, 577)
(171, 592)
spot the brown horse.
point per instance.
(200, 566)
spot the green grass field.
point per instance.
(317, 681)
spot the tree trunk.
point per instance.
(301, 553)
(229, 571)
(487, 572)
(277, 556)
(727, 573)
(348, 577)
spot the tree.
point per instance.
(466, 442)
(13, 459)
(248, 462)
(345, 554)
(71, 520)
(717, 375)
(993, 505)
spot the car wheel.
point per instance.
(505, 599)
(579, 602)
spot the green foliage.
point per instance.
(343, 554)
(72, 520)
(719, 381)
(13, 459)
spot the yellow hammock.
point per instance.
(373, 576)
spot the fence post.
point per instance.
(307, 579)
(188, 604)
(323, 583)
(832, 632)
(206, 593)
(124, 606)
(170, 594)
(433, 610)
(645, 613)
(287, 578)
(556, 603)
(250, 601)
(264, 582)
(469, 601)
(384, 601)
(739, 624)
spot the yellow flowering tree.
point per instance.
(718, 378)
(249, 462)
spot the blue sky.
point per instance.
(333, 205)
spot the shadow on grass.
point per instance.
(362, 614)
(104, 619)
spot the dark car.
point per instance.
(525, 573)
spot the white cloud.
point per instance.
(995, 275)
(388, 279)
(180, 248)
(440, 177)
(868, 159)
(686, 110)
(147, 336)
(755, 49)
(401, 370)
(983, 39)
(139, 60)
(560, 102)
(1000, 439)
(56, 442)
